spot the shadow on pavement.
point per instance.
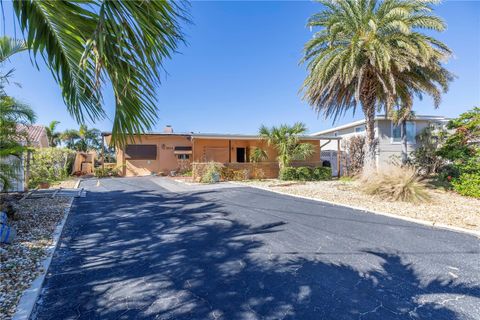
(151, 255)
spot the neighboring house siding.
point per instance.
(17, 184)
(387, 149)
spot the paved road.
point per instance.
(146, 248)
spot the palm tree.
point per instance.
(369, 52)
(89, 45)
(84, 139)
(286, 141)
(53, 136)
(8, 47)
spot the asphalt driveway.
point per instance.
(148, 248)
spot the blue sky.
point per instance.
(240, 70)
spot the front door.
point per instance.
(240, 154)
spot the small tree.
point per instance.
(84, 139)
(355, 154)
(425, 157)
(52, 135)
(286, 141)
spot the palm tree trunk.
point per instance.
(367, 98)
(403, 136)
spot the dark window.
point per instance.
(141, 151)
(326, 163)
(240, 154)
(183, 156)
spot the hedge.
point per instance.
(305, 173)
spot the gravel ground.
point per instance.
(20, 262)
(446, 207)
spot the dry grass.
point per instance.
(395, 183)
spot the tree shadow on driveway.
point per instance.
(153, 255)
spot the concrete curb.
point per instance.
(29, 297)
(419, 221)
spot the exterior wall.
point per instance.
(165, 162)
(248, 170)
(203, 150)
(387, 150)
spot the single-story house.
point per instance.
(387, 134)
(167, 153)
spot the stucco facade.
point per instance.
(176, 152)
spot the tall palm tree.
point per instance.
(286, 141)
(91, 44)
(52, 135)
(368, 53)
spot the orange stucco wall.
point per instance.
(203, 150)
(166, 159)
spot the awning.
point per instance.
(182, 150)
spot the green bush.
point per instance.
(106, 172)
(468, 184)
(50, 165)
(322, 173)
(305, 173)
(288, 174)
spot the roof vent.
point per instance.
(168, 129)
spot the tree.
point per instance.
(372, 53)
(84, 139)
(53, 136)
(12, 141)
(8, 47)
(92, 44)
(286, 141)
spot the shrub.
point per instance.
(106, 172)
(468, 184)
(212, 173)
(322, 173)
(354, 154)
(395, 183)
(425, 157)
(304, 173)
(288, 174)
(50, 165)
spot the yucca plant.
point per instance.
(395, 183)
(372, 53)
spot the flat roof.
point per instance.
(377, 117)
(228, 136)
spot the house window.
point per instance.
(183, 156)
(397, 136)
(359, 129)
(141, 151)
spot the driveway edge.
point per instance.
(419, 221)
(29, 296)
